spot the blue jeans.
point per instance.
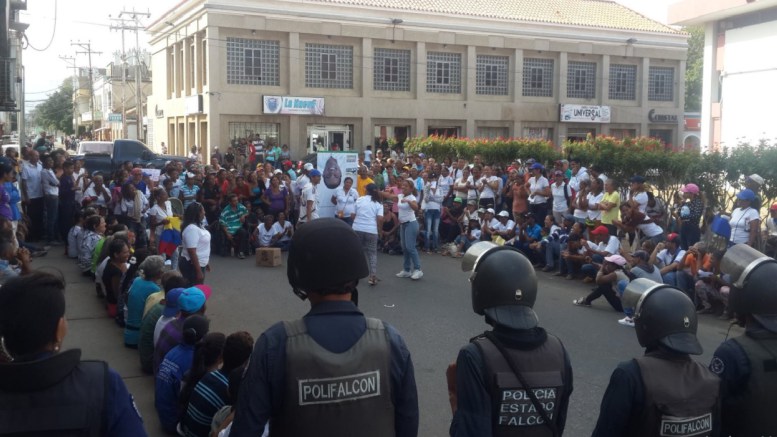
(464, 241)
(622, 284)
(552, 253)
(588, 269)
(432, 221)
(682, 281)
(52, 206)
(408, 234)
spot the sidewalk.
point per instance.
(98, 336)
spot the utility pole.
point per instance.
(136, 27)
(87, 46)
(121, 26)
(71, 61)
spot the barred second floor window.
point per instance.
(581, 80)
(537, 77)
(491, 75)
(391, 70)
(623, 82)
(253, 62)
(661, 84)
(443, 72)
(328, 66)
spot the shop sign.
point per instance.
(114, 117)
(584, 114)
(193, 104)
(293, 105)
(661, 118)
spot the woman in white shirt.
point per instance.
(461, 187)
(488, 186)
(408, 229)
(282, 232)
(265, 231)
(592, 201)
(539, 191)
(158, 216)
(345, 200)
(196, 245)
(369, 218)
(432, 205)
(745, 220)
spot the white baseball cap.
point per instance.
(308, 166)
(504, 214)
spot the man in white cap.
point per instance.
(755, 182)
(308, 209)
(297, 186)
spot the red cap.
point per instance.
(600, 230)
(673, 237)
(773, 207)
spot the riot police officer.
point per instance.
(334, 372)
(516, 379)
(664, 392)
(747, 364)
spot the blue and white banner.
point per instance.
(584, 113)
(289, 105)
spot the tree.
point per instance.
(694, 68)
(56, 112)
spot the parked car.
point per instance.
(85, 147)
(121, 151)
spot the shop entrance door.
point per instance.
(323, 138)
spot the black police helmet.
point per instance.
(663, 315)
(324, 253)
(752, 289)
(504, 285)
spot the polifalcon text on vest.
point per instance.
(686, 426)
(339, 389)
(516, 408)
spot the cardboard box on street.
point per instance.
(268, 256)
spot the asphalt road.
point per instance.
(434, 316)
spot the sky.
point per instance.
(88, 20)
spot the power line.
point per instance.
(53, 32)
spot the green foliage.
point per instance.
(500, 150)
(694, 68)
(719, 175)
(56, 113)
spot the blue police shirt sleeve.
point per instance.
(406, 416)
(473, 408)
(730, 363)
(261, 386)
(122, 415)
(622, 398)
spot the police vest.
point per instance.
(336, 394)
(681, 398)
(72, 406)
(755, 415)
(513, 412)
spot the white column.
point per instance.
(367, 66)
(420, 74)
(709, 90)
(561, 96)
(644, 103)
(518, 77)
(296, 77)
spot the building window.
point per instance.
(328, 66)
(537, 77)
(661, 84)
(443, 72)
(581, 80)
(269, 132)
(391, 70)
(623, 82)
(492, 132)
(253, 62)
(538, 133)
(623, 133)
(491, 75)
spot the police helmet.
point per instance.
(662, 315)
(504, 286)
(752, 284)
(324, 253)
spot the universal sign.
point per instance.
(584, 114)
(293, 105)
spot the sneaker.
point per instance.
(417, 274)
(626, 321)
(548, 269)
(404, 274)
(241, 255)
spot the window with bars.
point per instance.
(581, 80)
(328, 66)
(491, 75)
(623, 82)
(391, 70)
(269, 132)
(443, 72)
(661, 84)
(537, 77)
(253, 62)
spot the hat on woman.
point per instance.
(746, 194)
(690, 188)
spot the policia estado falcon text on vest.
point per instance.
(516, 379)
(748, 364)
(333, 372)
(664, 392)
